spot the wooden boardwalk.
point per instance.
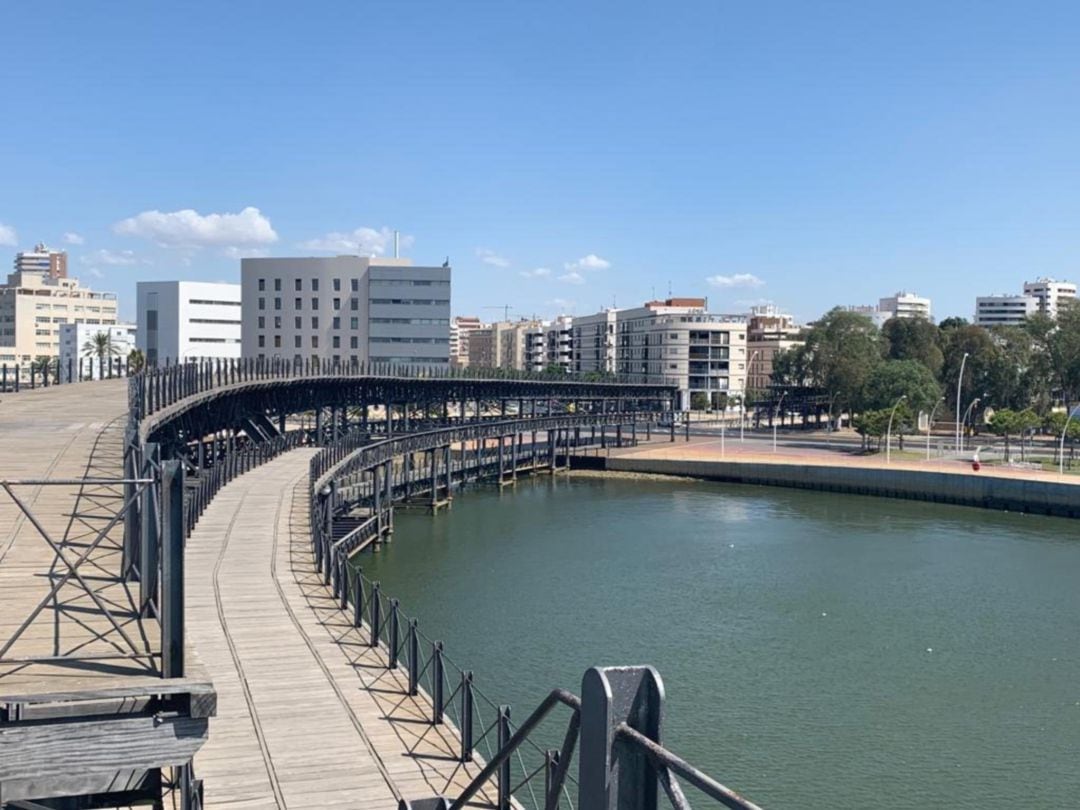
(66, 432)
(308, 713)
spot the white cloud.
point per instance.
(590, 262)
(563, 304)
(93, 271)
(8, 235)
(737, 280)
(73, 238)
(573, 277)
(233, 252)
(110, 257)
(539, 272)
(362, 241)
(488, 256)
(190, 229)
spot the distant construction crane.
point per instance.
(505, 308)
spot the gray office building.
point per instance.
(345, 309)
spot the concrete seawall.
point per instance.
(988, 492)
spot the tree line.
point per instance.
(1020, 374)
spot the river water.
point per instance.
(817, 650)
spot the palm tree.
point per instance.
(136, 360)
(100, 345)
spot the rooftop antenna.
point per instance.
(669, 288)
(396, 244)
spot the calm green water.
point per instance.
(818, 650)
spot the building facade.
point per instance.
(1051, 295)
(77, 354)
(42, 259)
(593, 339)
(768, 333)
(461, 328)
(346, 309)
(904, 305)
(559, 343)
(36, 302)
(1004, 310)
(187, 320)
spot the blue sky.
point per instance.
(563, 155)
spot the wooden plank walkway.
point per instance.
(308, 714)
(66, 432)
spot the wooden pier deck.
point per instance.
(308, 713)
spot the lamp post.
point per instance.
(930, 425)
(742, 422)
(776, 414)
(963, 421)
(959, 380)
(888, 432)
(1061, 444)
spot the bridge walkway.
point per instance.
(308, 713)
(87, 623)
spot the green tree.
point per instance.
(842, 349)
(902, 378)
(949, 324)
(136, 361)
(913, 339)
(790, 368)
(983, 355)
(100, 345)
(1061, 342)
(1007, 423)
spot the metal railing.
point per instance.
(16, 377)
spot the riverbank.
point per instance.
(952, 482)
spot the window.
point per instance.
(315, 323)
(337, 285)
(277, 341)
(262, 322)
(354, 304)
(354, 342)
(298, 322)
(314, 285)
(299, 284)
(277, 285)
(354, 323)
(314, 303)
(298, 303)
(337, 342)
(262, 341)
(262, 303)
(296, 341)
(355, 285)
(314, 341)
(262, 284)
(277, 321)
(337, 303)
(336, 323)
(277, 303)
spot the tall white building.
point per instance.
(1004, 310)
(187, 320)
(594, 342)
(559, 343)
(461, 328)
(346, 309)
(42, 259)
(76, 354)
(904, 305)
(1050, 295)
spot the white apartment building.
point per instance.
(77, 356)
(346, 309)
(42, 259)
(36, 302)
(460, 329)
(904, 305)
(1004, 310)
(594, 343)
(559, 342)
(187, 320)
(1050, 295)
(768, 333)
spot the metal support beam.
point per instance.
(172, 570)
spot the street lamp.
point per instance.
(742, 422)
(776, 414)
(888, 432)
(930, 425)
(1061, 445)
(959, 380)
(963, 421)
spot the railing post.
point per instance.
(612, 776)
(343, 579)
(414, 658)
(358, 597)
(376, 613)
(395, 634)
(438, 683)
(172, 570)
(551, 787)
(504, 767)
(149, 530)
(466, 725)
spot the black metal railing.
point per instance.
(51, 371)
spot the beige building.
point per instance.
(517, 345)
(768, 333)
(461, 328)
(38, 299)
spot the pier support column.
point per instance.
(389, 466)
